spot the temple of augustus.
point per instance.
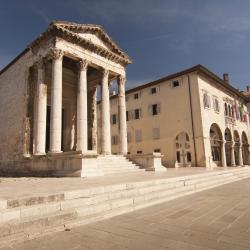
(49, 95)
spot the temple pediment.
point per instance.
(89, 36)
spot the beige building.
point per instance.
(48, 118)
(193, 117)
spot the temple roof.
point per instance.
(81, 34)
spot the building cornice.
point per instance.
(199, 69)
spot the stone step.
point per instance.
(83, 206)
(111, 192)
(25, 229)
(112, 164)
(117, 166)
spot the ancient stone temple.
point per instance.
(48, 103)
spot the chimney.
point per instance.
(248, 88)
(226, 78)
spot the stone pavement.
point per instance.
(218, 218)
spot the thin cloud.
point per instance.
(40, 13)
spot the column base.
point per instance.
(106, 153)
(55, 152)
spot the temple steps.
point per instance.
(112, 164)
(29, 217)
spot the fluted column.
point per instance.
(56, 102)
(82, 108)
(240, 155)
(105, 108)
(94, 125)
(122, 115)
(41, 104)
(232, 155)
(223, 155)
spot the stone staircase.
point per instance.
(113, 164)
(29, 217)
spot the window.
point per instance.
(157, 150)
(113, 119)
(136, 96)
(226, 110)
(189, 156)
(156, 133)
(206, 100)
(216, 104)
(138, 135)
(137, 114)
(139, 152)
(153, 90)
(154, 109)
(114, 139)
(127, 116)
(175, 83)
(178, 156)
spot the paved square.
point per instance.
(218, 218)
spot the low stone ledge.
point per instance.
(151, 162)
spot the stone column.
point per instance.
(232, 155)
(122, 115)
(56, 102)
(223, 155)
(41, 104)
(82, 108)
(105, 108)
(240, 155)
(94, 125)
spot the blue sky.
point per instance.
(161, 36)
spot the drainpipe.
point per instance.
(192, 119)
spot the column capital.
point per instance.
(121, 79)
(56, 54)
(83, 64)
(40, 64)
(105, 72)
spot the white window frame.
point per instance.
(158, 107)
(207, 101)
(216, 107)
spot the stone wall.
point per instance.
(13, 104)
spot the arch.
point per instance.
(228, 146)
(215, 142)
(245, 148)
(183, 150)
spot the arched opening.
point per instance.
(245, 148)
(215, 141)
(228, 146)
(183, 150)
(236, 147)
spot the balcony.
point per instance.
(229, 120)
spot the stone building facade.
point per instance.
(48, 118)
(193, 118)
